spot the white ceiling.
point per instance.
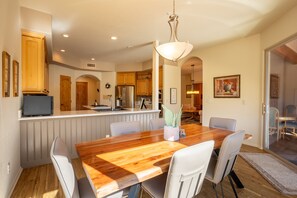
(137, 23)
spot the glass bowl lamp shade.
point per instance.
(174, 49)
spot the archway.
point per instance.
(192, 79)
(87, 91)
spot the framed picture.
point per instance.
(274, 86)
(15, 78)
(173, 95)
(227, 86)
(5, 74)
(188, 88)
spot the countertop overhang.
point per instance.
(89, 113)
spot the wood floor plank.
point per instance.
(41, 181)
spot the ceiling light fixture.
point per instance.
(174, 49)
(92, 59)
(113, 38)
(62, 50)
(192, 91)
(66, 35)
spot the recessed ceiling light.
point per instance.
(113, 38)
(62, 50)
(92, 59)
(66, 35)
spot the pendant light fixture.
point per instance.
(174, 49)
(192, 91)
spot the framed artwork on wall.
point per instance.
(5, 74)
(15, 78)
(227, 86)
(173, 95)
(274, 86)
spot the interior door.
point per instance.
(198, 97)
(65, 93)
(81, 95)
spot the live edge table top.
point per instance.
(117, 162)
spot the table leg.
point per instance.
(236, 179)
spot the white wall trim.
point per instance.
(19, 172)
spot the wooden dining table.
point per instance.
(114, 163)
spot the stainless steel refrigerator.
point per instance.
(126, 93)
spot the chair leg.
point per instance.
(232, 185)
(214, 187)
(134, 191)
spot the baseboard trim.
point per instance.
(15, 181)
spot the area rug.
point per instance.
(282, 177)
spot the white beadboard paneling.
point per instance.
(37, 134)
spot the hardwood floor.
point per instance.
(285, 147)
(41, 181)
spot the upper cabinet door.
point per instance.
(126, 78)
(35, 71)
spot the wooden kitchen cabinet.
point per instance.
(144, 87)
(126, 78)
(34, 66)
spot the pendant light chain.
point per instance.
(173, 7)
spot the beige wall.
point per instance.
(10, 41)
(107, 77)
(171, 82)
(242, 56)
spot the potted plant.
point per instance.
(172, 123)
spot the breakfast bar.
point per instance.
(37, 133)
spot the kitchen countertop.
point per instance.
(88, 113)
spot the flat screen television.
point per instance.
(37, 105)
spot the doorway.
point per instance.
(280, 100)
(81, 95)
(87, 91)
(65, 93)
(191, 80)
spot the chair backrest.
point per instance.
(273, 116)
(228, 153)
(290, 111)
(120, 128)
(187, 170)
(157, 123)
(222, 123)
(64, 169)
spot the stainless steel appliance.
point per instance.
(126, 93)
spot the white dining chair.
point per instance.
(222, 123)
(186, 173)
(157, 123)
(70, 185)
(121, 128)
(275, 125)
(220, 166)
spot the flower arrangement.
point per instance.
(172, 119)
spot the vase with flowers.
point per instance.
(172, 123)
